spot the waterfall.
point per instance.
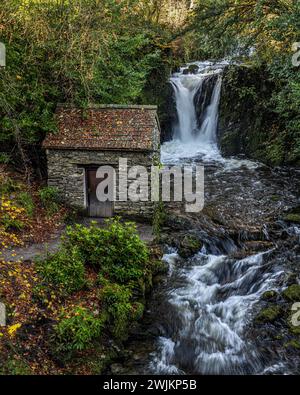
(208, 131)
(185, 90)
(197, 90)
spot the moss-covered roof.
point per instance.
(103, 127)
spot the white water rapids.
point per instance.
(209, 297)
(210, 303)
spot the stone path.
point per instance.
(52, 245)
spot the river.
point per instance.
(200, 314)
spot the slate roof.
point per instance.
(105, 127)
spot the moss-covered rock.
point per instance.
(269, 314)
(189, 246)
(191, 69)
(269, 295)
(295, 330)
(292, 293)
(293, 344)
(293, 215)
(295, 218)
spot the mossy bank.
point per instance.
(251, 122)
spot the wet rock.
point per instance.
(178, 222)
(138, 356)
(116, 368)
(158, 279)
(203, 97)
(193, 69)
(257, 246)
(290, 278)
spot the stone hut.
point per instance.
(99, 136)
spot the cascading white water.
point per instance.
(185, 89)
(210, 124)
(192, 138)
(209, 308)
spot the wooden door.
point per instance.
(95, 207)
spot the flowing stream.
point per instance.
(198, 316)
(210, 300)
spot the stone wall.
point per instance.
(66, 171)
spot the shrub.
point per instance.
(77, 329)
(8, 185)
(11, 224)
(4, 158)
(50, 199)
(24, 200)
(64, 269)
(117, 249)
(116, 301)
(11, 217)
(137, 310)
(88, 240)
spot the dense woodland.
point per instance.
(123, 51)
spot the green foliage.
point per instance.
(128, 69)
(159, 218)
(4, 158)
(229, 27)
(24, 200)
(57, 51)
(64, 269)
(77, 329)
(116, 250)
(8, 186)
(122, 263)
(14, 366)
(50, 199)
(116, 300)
(12, 224)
